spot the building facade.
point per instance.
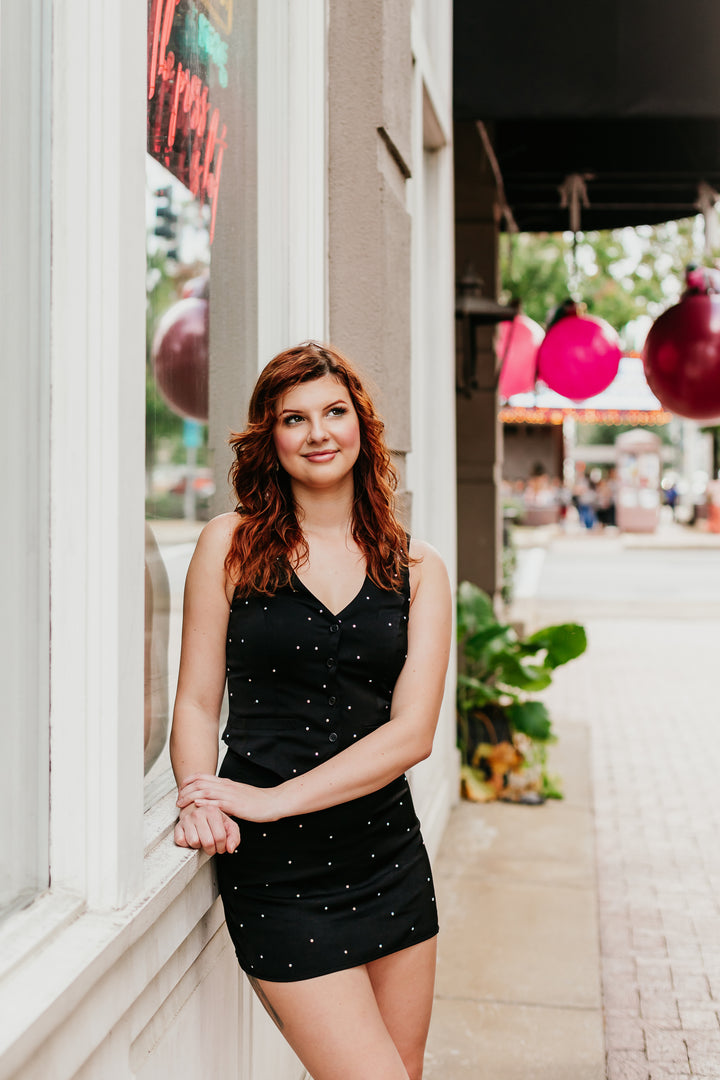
(271, 171)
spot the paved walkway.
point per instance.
(621, 881)
(654, 691)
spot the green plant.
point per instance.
(499, 670)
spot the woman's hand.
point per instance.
(239, 800)
(208, 828)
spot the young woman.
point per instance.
(333, 634)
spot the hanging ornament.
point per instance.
(517, 345)
(682, 350)
(180, 357)
(580, 354)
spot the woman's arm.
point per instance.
(194, 736)
(382, 755)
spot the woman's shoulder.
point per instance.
(426, 566)
(421, 551)
(215, 539)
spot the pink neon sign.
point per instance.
(185, 132)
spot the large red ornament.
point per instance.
(682, 351)
(180, 357)
(579, 356)
(517, 345)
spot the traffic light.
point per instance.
(166, 226)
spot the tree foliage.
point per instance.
(606, 434)
(621, 275)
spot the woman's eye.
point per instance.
(293, 418)
(338, 410)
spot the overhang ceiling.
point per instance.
(626, 93)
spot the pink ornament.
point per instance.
(682, 355)
(517, 345)
(180, 357)
(579, 356)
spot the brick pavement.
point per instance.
(650, 688)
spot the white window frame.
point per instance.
(98, 335)
(97, 348)
(292, 223)
(24, 353)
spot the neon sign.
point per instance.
(213, 45)
(186, 133)
(221, 13)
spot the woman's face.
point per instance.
(317, 433)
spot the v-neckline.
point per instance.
(333, 614)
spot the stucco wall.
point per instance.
(369, 240)
(391, 274)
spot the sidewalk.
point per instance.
(518, 987)
(670, 535)
(620, 882)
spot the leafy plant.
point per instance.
(501, 729)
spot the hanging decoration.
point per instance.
(706, 202)
(180, 357)
(682, 351)
(581, 353)
(517, 345)
(573, 192)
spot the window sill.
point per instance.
(56, 951)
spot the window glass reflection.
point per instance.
(188, 52)
(178, 477)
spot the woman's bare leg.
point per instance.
(403, 983)
(334, 1025)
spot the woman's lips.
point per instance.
(321, 455)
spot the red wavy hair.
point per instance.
(268, 537)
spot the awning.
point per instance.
(626, 93)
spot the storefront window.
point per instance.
(186, 142)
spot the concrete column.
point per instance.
(479, 437)
(369, 131)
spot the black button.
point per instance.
(332, 700)
(330, 663)
(334, 628)
(333, 736)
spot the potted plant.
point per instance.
(503, 732)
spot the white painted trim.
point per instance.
(87, 963)
(24, 443)
(98, 349)
(436, 813)
(292, 173)
(440, 96)
(431, 462)
(307, 172)
(272, 172)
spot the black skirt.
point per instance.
(320, 892)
